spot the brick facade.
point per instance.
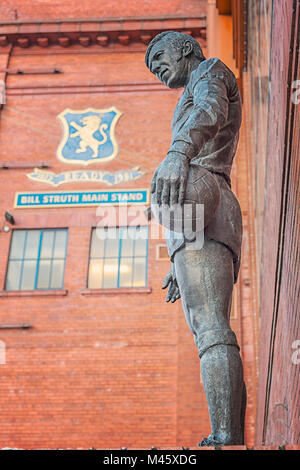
(278, 418)
(96, 369)
(272, 120)
(267, 172)
(111, 368)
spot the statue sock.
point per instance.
(222, 376)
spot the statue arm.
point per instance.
(210, 111)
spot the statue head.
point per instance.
(171, 56)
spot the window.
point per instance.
(36, 259)
(118, 258)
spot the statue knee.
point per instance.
(211, 338)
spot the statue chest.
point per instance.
(182, 111)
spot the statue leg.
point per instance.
(205, 280)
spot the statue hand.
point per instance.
(169, 179)
(173, 291)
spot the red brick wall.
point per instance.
(246, 293)
(24, 10)
(275, 124)
(95, 370)
(266, 176)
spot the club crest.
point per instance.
(88, 135)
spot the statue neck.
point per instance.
(190, 65)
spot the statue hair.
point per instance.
(177, 40)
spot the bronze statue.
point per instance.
(205, 130)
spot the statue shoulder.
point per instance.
(212, 68)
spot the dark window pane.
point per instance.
(140, 247)
(60, 244)
(95, 274)
(97, 243)
(110, 272)
(28, 275)
(13, 275)
(125, 272)
(44, 274)
(127, 247)
(32, 244)
(139, 273)
(112, 243)
(47, 244)
(17, 244)
(123, 255)
(32, 259)
(57, 274)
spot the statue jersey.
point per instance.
(205, 128)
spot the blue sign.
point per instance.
(80, 198)
(88, 135)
